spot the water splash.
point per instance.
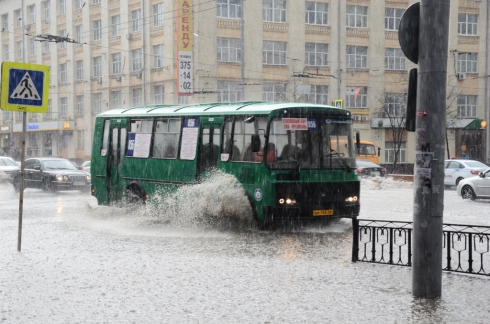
(219, 200)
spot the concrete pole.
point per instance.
(487, 85)
(430, 139)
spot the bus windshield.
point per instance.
(310, 143)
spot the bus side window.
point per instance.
(105, 138)
(167, 133)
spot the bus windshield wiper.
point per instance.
(337, 154)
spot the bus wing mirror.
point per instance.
(255, 143)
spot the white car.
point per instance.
(457, 170)
(7, 164)
(475, 187)
(86, 166)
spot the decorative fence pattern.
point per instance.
(390, 242)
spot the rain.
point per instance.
(193, 259)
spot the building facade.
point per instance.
(120, 53)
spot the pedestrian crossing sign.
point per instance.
(25, 87)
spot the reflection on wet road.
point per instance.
(85, 263)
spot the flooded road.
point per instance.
(89, 264)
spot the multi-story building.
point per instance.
(123, 53)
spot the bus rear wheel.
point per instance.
(134, 196)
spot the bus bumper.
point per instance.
(274, 213)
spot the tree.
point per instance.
(393, 109)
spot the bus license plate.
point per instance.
(323, 212)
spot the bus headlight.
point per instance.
(287, 201)
(351, 199)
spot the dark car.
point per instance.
(369, 169)
(51, 174)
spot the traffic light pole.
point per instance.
(430, 134)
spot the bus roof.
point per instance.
(219, 108)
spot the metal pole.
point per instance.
(339, 51)
(429, 147)
(242, 60)
(23, 145)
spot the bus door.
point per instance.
(209, 145)
(117, 144)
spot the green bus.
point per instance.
(294, 161)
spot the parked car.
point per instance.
(6, 166)
(51, 174)
(475, 187)
(369, 169)
(86, 166)
(457, 170)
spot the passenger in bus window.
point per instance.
(271, 154)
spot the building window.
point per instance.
(79, 139)
(6, 52)
(49, 113)
(95, 1)
(137, 20)
(80, 105)
(116, 99)
(97, 102)
(137, 59)
(116, 63)
(47, 47)
(47, 10)
(229, 49)
(79, 4)
(63, 73)
(116, 25)
(97, 27)
(467, 106)
(5, 22)
(467, 62)
(97, 66)
(316, 13)
(229, 91)
(392, 18)
(79, 70)
(274, 10)
(137, 97)
(159, 93)
(356, 97)
(158, 14)
(318, 95)
(64, 106)
(316, 54)
(229, 8)
(274, 53)
(356, 57)
(62, 7)
(274, 92)
(390, 152)
(19, 49)
(394, 105)
(79, 34)
(158, 56)
(62, 33)
(394, 59)
(18, 18)
(32, 49)
(31, 11)
(357, 16)
(467, 24)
